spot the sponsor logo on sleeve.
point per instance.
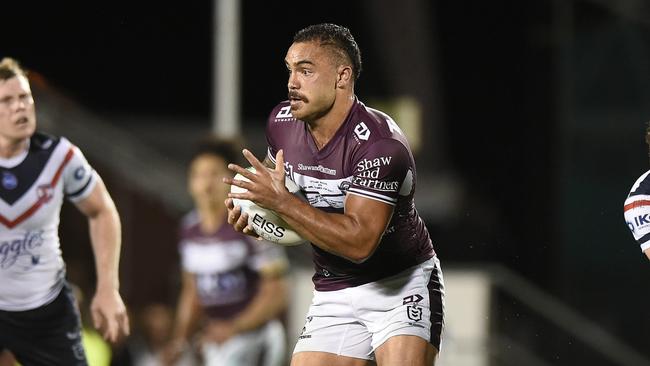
(639, 222)
(368, 172)
(366, 164)
(80, 173)
(284, 114)
(377, 185)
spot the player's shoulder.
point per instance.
(375, 131)
(41, 141)
(370, 125)
(188, 226)
(641, 186)
(281, 113)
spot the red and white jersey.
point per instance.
(32, 188)
(637, 211)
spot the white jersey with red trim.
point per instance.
(32, 188)
(637, 211)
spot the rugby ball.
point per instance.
(266, 223)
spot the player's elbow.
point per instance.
(362, 252)
(647, 253)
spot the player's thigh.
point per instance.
(406, 350)
(49, 335)
(326, 359)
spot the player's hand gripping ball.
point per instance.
(266, 223)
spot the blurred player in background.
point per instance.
(39, 319)
(233, 282)
(379, 291)
(637, 207)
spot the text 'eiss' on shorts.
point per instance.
(354, 321)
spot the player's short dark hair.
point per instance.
(10, 68)
(335, 36)
(227, 149)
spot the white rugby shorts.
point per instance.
(355, 321)
(246, 349)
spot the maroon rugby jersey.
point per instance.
(370, 157)
(225, 265)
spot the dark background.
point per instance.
(541, 113)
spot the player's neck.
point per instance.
(10, 148)
(324, 128)
(211, 217)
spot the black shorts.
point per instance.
(46, 336)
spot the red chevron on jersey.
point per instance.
(45, 194)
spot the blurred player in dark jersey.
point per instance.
(637, 207)
(234, 282)
(39, 319)
(379, 290)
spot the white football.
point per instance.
(267, 223)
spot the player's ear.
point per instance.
(344, 76)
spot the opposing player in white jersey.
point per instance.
(232, 283)
(637, 208)
(39, 321)
(378, 286)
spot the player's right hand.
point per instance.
(109, 314)
(239, 220)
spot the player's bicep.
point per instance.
(371, 215)
(79, 179)
(94, 202)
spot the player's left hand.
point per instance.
(239, 220)
(109, 315)
(266, 187)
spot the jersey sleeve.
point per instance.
(266, 256)
(275, 133)
(637, 217)
(382, 172)
(272, 148)
(79, 178)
